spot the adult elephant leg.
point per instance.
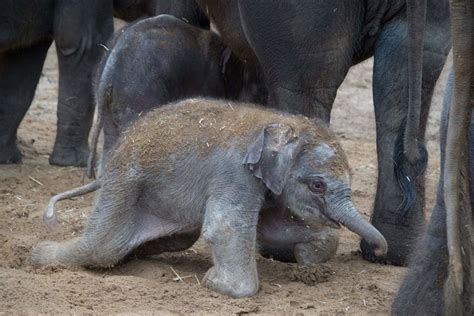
(305, 49)
(398, 209)
(20, 71)
(80, 28)
(421, 291)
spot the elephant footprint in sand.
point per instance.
(243, 176)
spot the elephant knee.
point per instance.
(79, 26)
(215, 231)
(210, 232)
(72, 43)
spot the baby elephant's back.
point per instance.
(198, 127)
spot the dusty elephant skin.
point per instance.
(229, 161)
(160, 60)
(439, 281)
(28, 29)
(296, 42)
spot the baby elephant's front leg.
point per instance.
(286, 238)
(321, 249)
(230, 229)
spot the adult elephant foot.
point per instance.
(10, 154)
(401, 239)
(398, 209)
(421, 292)
(65, 156)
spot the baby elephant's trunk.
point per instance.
(347, 214)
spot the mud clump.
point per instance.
(310, 274)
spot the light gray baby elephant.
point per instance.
(210, 167)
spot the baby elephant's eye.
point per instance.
(317, 186)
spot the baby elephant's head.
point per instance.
(309, 173)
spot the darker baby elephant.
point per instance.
(159, 60)
(27, 29)
(211, 166)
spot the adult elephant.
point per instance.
(439, 281)
(305, 49)
(27, 29)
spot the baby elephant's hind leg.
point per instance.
(51, 253)
(115, 228)
(104, 243)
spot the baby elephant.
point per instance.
(210, 167)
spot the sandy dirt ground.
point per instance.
(345, 285)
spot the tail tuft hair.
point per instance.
(406, 173)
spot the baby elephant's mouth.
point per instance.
(321, 219)
(330, 222)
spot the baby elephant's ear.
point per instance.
(270, 156)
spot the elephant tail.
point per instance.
(411, 156)
(100, 104)
(103, 85)
(103, 96)
(49, 216)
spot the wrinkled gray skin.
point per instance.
(431, 285)
(216, 180)
(187, 10)
(27, 29)
(159, 60)
(440, 278)
(306, 47)
(422, 289)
